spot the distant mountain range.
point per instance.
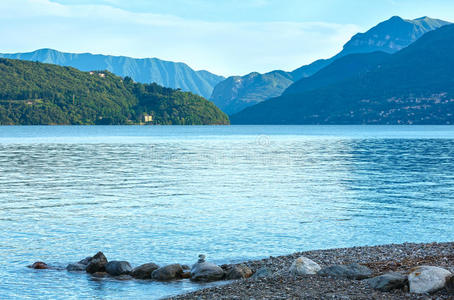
(146, 70)
(238, 92)
(412, 86)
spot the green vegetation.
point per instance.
(33, 93)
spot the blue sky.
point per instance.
(228, 37)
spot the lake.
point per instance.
(165, 194)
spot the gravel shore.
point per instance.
(381, 259)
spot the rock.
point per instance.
(185, 267)
(427, 279)
(124, 277)
(186, 275)
(388, 282)
(144, 271)
(99, 274)
(352, 271)
(450, 285)
(76, 267)
(39, 265)
(117, 268)
(97, 263)
(86, 260)
(167, 273)
(261, 273)
(205, 271)
(304, 266)
(238, 272)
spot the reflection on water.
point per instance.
(166, 194)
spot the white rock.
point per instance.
(304, 266)
(427, 279)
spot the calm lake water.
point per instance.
(165, 194)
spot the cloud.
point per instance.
(222, 47)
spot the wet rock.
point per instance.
(86, 260)
(185, 267)
(427, 279)
(206, 271)
(352, 271)
(117, 268)
(170, 272)
(304, 266)
(97, 263)
(388, 282)
(450, 285)
(261, 273)
(144, 271)
(99, 274)
(124, 277)
(186, 275)
(76, 267)
(237, 272)
(39, 265)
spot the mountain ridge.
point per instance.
(413, 86)
(369, 41)
(143, 70)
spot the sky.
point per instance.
(226, 37)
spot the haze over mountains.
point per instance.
(238, 92)
(147, 70)
(413, 86)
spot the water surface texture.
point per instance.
(165, 194)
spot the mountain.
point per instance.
(146, 70)
(33, 93)
(238, 92)
(412, 86)
(341, 69)
(389, 36)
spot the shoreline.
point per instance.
(281, 284)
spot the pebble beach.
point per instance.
(279, 283)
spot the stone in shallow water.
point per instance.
(97, 263)
(304, 266)
(144, 271)
(352, 271)
(427, 279)
(237, 272)
(86, 260)
(387, 282)
(166, 273)
(205, 271)
(76, 267)
(39, 265)
(116, 268)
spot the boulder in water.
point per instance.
(97, 263)
(205, 271)
(39, 265)
(117, 268)
(166, 273)
(144, 271)
(76, 267)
